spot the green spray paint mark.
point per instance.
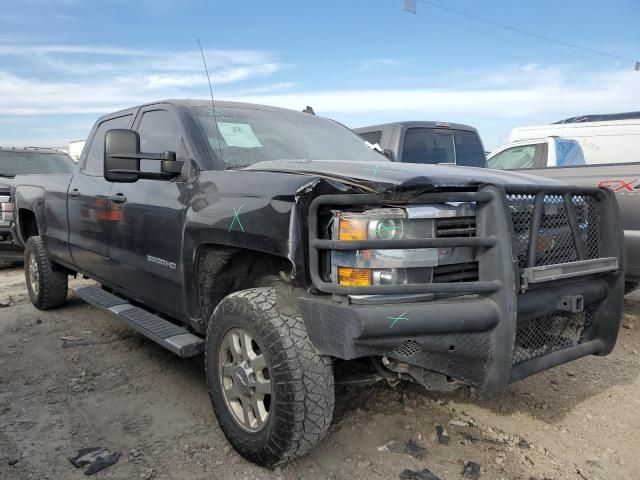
(385, 228)
(397, 319)
(236, 212)
(375, 172)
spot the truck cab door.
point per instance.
(89, 207)
(147, 240)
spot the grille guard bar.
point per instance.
(344, 328)
(524, 276)
(316, 244)
(560, 271)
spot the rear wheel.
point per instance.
(272, 393)
(47, 283)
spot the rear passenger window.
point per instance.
(94, 164)
(372, 137)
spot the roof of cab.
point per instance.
(189, 102)
(186, 102)
(32, 150)
(416, 124)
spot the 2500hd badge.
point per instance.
(161, 261)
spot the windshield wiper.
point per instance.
(6, 175)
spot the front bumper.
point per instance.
(10, 251)
(498, 329)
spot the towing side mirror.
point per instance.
(122, 157)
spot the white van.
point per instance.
(614, 141)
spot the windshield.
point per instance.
(26, 162)
(246, 136)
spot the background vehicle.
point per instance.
(603, 141)
(537, 153)
(427, 142)
(277, 241)
(23, 161)
(568, 160)
(75, 149)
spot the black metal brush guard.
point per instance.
(527, 270)
(473, 338)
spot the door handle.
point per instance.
(74, 193)
(118, 198)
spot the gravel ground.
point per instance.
(579, 421)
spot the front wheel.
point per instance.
(47, 283)
(272, 393)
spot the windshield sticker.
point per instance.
(238, 135)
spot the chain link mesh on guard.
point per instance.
(555, 242)
(550, 333)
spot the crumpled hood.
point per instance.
(405, 175)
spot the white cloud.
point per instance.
(374, 63)
(68, 49)
(70, 79)
(517, 96)
(84, 78)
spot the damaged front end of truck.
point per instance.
(462, 282)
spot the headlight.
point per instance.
(386, 229)
(6, 210)
(399, 266)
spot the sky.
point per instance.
(65, 63)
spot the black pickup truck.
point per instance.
(279, 244)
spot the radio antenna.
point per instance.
(213, 104)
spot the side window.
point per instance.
(469, 151)
(568, 152)
(94, 164)
(372, 137)
(516, 157)
(159, 133)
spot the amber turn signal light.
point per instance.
(354, 277)
(352, 229)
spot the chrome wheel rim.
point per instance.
(34, 274)
(245, 380)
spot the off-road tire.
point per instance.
(52, 281)
(303, 398)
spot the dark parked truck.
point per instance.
(23, 161)
(279, 244)
(427, 142)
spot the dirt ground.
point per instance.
(579, 421)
